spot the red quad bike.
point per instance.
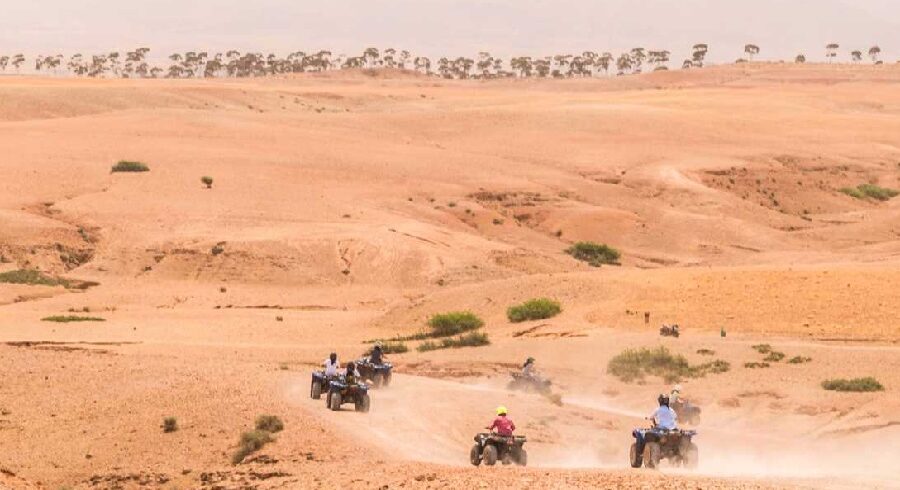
(491, 447)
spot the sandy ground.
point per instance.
(353, 207)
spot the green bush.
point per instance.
(269, 423)
(715, 367)
(31, 277)
(871, 191)
(755, 365)
(474, 339)
(72, 318)
(774, 356)
(170, 424)
(534, 309)
(129, 166)
(391, 348)
(799, 360)
(636, 364)
(594, 254)
(250, 443)
(762, 348)
(453, 323)
(855, 385)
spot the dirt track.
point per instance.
(355, 207)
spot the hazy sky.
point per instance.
(782, 28)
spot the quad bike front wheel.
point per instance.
(653, 455)
(635, 458)
(475, 455)
(490, 455)
(315, 391)
(335, 399)
(362, 405)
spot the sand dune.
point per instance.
(355, 205)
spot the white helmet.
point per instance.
(676, 389)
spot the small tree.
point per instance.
(856, 55)
(800, 59)
(874, 51)
(831, 51)
(207, 181)
(751, 50)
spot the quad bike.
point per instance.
(319, 384)
(669, 330)
(686, 412)
(378, 374)
(526, 383)
(341, 392)
(491, 447)
(652, 445)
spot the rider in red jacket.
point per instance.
(503, 425)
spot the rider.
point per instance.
(503, 425)
(376, 356)
(352, 374)
(528, 369)
(675, 396)
(331, 365)
(664, 417)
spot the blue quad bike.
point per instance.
(341, 392)
(491, 447)
(653, 445)
(378, 374)
(319, 384)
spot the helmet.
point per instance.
(663, 399)
(676, 389)
(333, 356)
(529, 360)
(351, 366)
(501, 410)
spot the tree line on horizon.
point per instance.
(233, 63)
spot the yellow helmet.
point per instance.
(501, 410)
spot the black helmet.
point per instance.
(663, 399)
(529, 361)
(333, 356)
(351, 366)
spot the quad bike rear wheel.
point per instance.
(636, 458)
(362, 404)
(387, 380)
(652, 455)
(489, 455)
(335, 401)
(315, 391)
(690, 456)
(522, 458)
(378, 380)
(475, 455)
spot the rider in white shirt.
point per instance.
(332, 365)
(664, 417)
